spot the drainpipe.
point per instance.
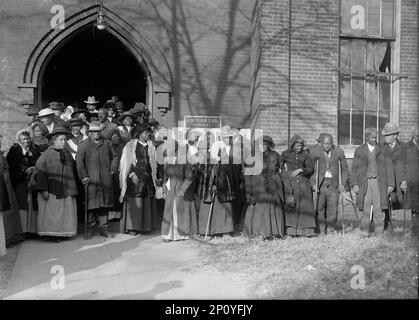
(289, 70)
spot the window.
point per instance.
(365, 78)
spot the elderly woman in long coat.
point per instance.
(138, 175)
(8, 207)
(299, 209)
(22, 158)
(54, 178)
(265, 197)
(96, 162)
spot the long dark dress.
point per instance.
(11, 219)
(300, 219)
(179, 218)
(141, 205)
(115, 213)
(18, 163)
(265, 194)
(221, 177)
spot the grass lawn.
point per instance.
(320, 268)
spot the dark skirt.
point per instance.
(264, 219)
(221, 219)
(301, 216)
(140, 213)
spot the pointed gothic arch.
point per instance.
(143, 49)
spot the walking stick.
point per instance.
(316, 191)
(86, 200)
(341, 198)
(370, 218)
(30, 211)
(209, 215)
(404, 209)
(390, 208)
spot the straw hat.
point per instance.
(91, 100)
(95, 126)
(226, 132)
(45, 112)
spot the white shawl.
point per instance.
(129, 158)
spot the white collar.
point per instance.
(370, 147)
(50, 127)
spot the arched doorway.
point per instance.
(92, 62)
(148, 55)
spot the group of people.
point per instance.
(108, 161)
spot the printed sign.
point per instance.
(207, 122)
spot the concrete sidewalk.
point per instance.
(125, 267)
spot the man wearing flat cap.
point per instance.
(397, 150)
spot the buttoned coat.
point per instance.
(385, 173)
(96, 161)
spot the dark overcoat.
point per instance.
(412, 158)
(336, 155)
(96, 161)
(385, 173)
(398, 156)
(302, 214)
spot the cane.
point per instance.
(209, 215)
(404, 209)
(371, 217)
(390, 209)
(341, 199)
(30, 211)
(86, 200)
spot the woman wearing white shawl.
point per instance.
(138, 169)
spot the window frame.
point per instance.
(394, 78)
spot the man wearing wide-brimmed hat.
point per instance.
(127, 120)
(32, 114)
(77, 136)
(96, 163)
(372, 179)
(47, 117)
(58, 108)
(398, 156)
(91, 103)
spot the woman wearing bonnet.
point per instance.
(21, 159)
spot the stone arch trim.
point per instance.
(144, 50)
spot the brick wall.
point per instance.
(409, 64)
(205, 42)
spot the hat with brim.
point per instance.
(79, 111)
(153, 122)
(94, 114)
(46, 112)
(59, 131)
(95, 126)
(126, 114)
(76, 122)
(91, 100)
(56, 105)
(33, 110)
(389, 129)
(269, 141)
(321, 136)
(138, 109)
(226, 132)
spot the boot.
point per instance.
(103, 231)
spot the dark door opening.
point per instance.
(93, 63)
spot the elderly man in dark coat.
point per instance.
(329, 158)
(372, 181)
(96, 162)
(412, 158)
(107, 126)
(397, 151)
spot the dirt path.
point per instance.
(141, 267)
